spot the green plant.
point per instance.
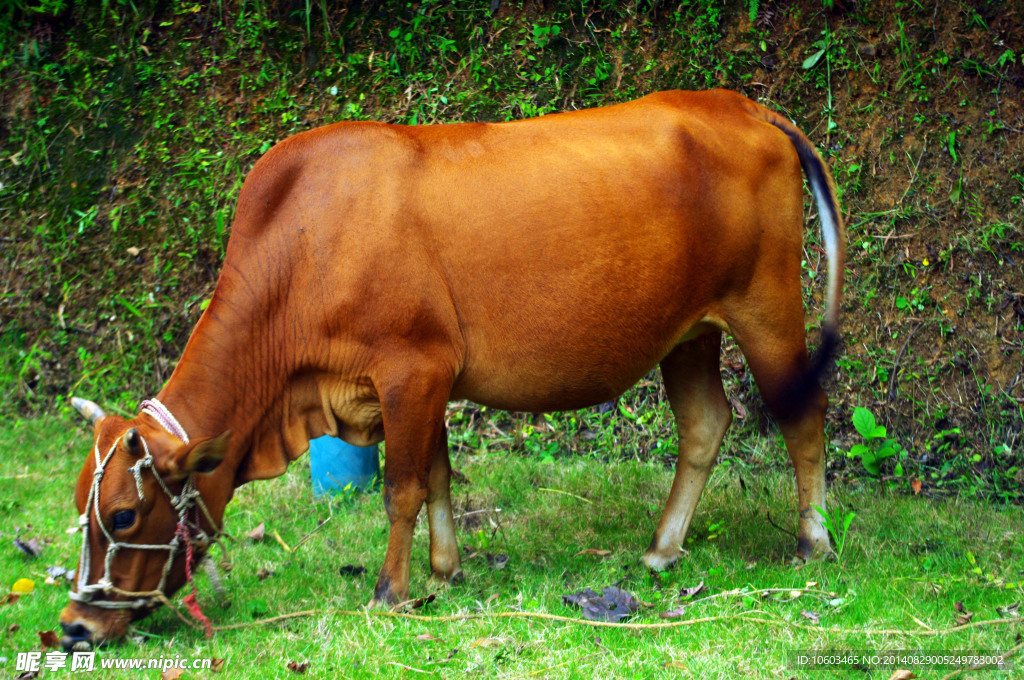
(542, 35)
(877, 447)
(838, 527)
(822, 48)
(918, 297)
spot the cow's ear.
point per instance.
(200, 455)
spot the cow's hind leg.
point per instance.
(804, 433)
(774, 346)
(444, 549)
(413, 408)
(694, 386)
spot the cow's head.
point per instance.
(139, 509)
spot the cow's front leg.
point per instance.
(413, 412)
(445, 562)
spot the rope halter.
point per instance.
(187, 535)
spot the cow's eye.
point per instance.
(124, 519)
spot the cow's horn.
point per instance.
(89, 409)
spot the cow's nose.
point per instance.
(76, 637)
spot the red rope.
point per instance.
(190, 600)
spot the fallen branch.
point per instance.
(896, 362)
(782, 529)
(307, 536)
(474, 512)
(566, 493)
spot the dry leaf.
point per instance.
(296, 667)
(593, 551)
(56, 574)
(263, 574)
(902, 675)
(741, 410)
(965, 616)
(491, 599)
(486, 642)
(690, 592)
(451, 655)
(258, 533)
(421, 601)
(49, 639)
(217, 665)
(31, 547)
(1012, 609)
(172, 674)
(675, 664)
(810, 615)
(674, 613)
(11, 598)
(964, 619)
(428, 637)
(23, 586)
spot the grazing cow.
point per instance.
(375, 272)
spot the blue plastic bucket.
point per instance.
(335, 465)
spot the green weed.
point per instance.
(837, 525)
(877, 447)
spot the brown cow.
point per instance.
(375, 272)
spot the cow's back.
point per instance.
(580, 248)
(562, 257)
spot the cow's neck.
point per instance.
(236, 374)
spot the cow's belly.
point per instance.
(545, 356)
(565, 382)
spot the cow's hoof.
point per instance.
(805, 553)
(380, 603)
(447, 579)
(383, 595)
(656, 561)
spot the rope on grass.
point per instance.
(541, 616)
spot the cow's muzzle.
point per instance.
(77, 637)
(86, 627)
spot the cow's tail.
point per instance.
(823, 189)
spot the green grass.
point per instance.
(908, 561)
